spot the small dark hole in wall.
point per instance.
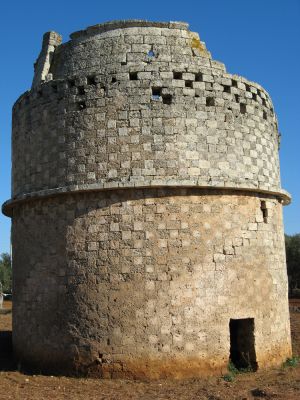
(113, 79)
(264, 115)
(81, 105)
(264, 211)
(272, 111)
(242, 344)
(156, 91)
(133, 76)
(123, 62)
(71, 83)
(258, 92)
(167, 99)
(226, 89)
(81, 90)
(199, 77)
(237, 98)
(177, 75)
(91, 80)
(247, 87)
(254, 96)
(243, 108)
(189, 84)
(210, 101)
(234, 83)
(264, 102)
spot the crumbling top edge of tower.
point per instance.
(129, 23)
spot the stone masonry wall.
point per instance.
(143, 106)
(143, 283)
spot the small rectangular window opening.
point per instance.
(258, 92)
(264, 102)
(254, 96)
(210, 101)
(156, 93)
(237, 98)
(234, 83)
(113, 79)
(189, 84)
(91, 80)
(167, 99)
(247, 87)
(264, 211)
(177, 75)
(71, 83)
(81, 90)
(264, 115)
(133, 76)
(226, 89)
(243, 108)
(199, 77)
(242, 344)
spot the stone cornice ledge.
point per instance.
(7, 207)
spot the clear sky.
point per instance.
(258, 39)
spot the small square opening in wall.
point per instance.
(242, 344)
(81, 90)
(234, 83)
(254, 96)
(113, 79)
(248, 87)
(243, 108)
(167, 99)
(210, 101)
(177, 75)
(199, 77)
(133, 76)
(91, 80)
(71, 83)
(156, 93)
(264, 115)
(189, 84)
(237, 98)
(226, 89)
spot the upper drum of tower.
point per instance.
(139, 104)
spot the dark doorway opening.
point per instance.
(242, 344)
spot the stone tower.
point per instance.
(146, 209)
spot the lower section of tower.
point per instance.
(150, 283)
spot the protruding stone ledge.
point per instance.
(8, 206)
(130, 23)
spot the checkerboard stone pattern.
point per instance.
(146, 207)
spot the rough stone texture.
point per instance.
(146, 208)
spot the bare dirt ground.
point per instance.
(278, 384)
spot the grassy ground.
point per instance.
(278, 384)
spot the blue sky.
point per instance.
(258, 39)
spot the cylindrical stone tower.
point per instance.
(146, 209)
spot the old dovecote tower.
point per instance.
(146, 209)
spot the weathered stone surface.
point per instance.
(146, 207)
